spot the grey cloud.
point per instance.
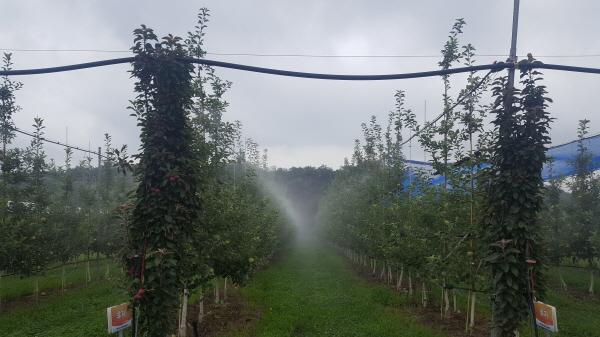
(316, 121)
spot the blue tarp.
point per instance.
(564, 154)
(562, 157)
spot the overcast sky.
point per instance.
(301, 121)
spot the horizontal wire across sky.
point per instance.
(494, 67)
(307, 55)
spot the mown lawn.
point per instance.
(79, 313)
(312, 293)
(14, 286)
(578, 314)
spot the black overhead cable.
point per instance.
(493, 66)
(71, 67)
(561, 67)
(44, 139)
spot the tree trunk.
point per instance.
(63, 280)
(591, 289)
(468, 311)
(446, 302)
(225, 289)
(563, 284)
(455, 308)
(400, 277)
(442, 301)
(410, 288)
(472, 318)
(36, 289)
(183, 320)
(88, 276)
(216, 290)
(201, 309)
(424, 295)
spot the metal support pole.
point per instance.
(508, 100)
(513, 48)
(510, 85)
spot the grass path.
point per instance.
(311, 292)
(14, 287)
(80, 313)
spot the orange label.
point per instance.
(119, 317)
(545, 316)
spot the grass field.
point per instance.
(311, 291)
(81, 313)
(13, 287)
(314, 293)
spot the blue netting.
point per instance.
(564, 154)
(561, 166)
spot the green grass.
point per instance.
(13, 287)
(310, 292)
(81, 312)
(578, 316)
(313, 293)
(576, 279)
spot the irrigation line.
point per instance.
(56, 142)
(64, 265)
(469, 289)
(494, 66)
(575, 267)
(70, 67)
(561, 67)
(461, 288)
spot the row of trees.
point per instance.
(52, 213)
(476, 228)
(199, 212)
(572, 218)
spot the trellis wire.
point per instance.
(56, 142)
